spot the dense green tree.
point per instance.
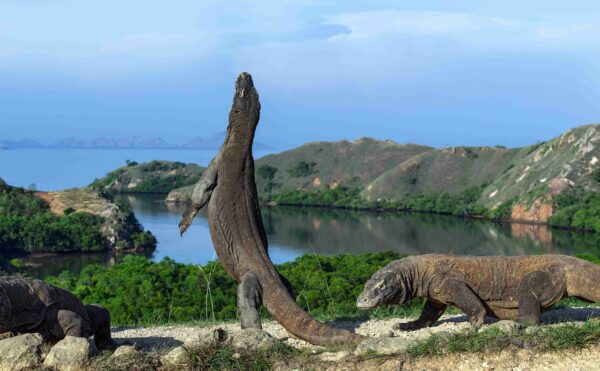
(27, 224)
(138, 291)
(302, 169)
(268, 173)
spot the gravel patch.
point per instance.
(175, 335)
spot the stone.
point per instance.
(183, 355)
(23, 351)
(125, 351)
(386, 334)
(506, 326)
(205, 339)
(70, 354)
(383, 346)
(179, 356)
(251, 339)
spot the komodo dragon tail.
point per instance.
(280, 303)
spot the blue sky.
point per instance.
(441, 73)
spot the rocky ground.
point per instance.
(175, 346)
(175, 335)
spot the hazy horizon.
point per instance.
(439, 73)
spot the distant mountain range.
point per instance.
(132, 142)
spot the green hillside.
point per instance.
(540, 183)
(67, 221)
(547, 169)
(149, 177)
(451, 170)
(330, 164)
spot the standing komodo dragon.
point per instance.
(29, 306)
(505, 287)
(237, 232)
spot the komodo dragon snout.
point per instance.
(382, 288)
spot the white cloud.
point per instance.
(380, 47)
(543, 32)
(384, 22)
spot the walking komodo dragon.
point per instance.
(34, 306)
(236, 228)
(505, 287)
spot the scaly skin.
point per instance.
(505, 287)
(228, 188)
(29, 306)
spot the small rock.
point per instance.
(18, 352)
(125, 351)
(251, 339)
(236, 356)
(333, 356)
(203, 340)
(177, 357)
(70, 354)
(386, 334)
(506, 325)
(384, 346)
(182, 355)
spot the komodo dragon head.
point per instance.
(384, 287)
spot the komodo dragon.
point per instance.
(505, 287)
(28, 306)
(228, 187)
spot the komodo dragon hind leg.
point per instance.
(534, 289)
(432, 311)
(249, 295)
(100, 318)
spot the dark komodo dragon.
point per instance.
(29, 306)
(505, 287)
(228, 187)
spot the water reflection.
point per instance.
(297, 231)
(327, 231)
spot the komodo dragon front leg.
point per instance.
(100, 318)
(64, 322)
(449, 291)
(202, 193)
(431, 312)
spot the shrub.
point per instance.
(302, 169)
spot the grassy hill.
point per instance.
(451, 170)
(330, 164)
(540, 183)
(531, 183)
(149, 177)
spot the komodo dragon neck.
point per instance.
(228, 187)
(415, 276)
